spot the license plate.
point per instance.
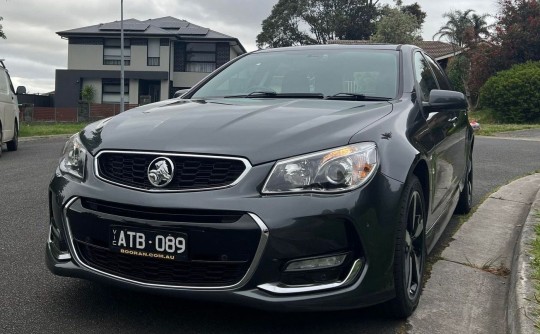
(159, 245)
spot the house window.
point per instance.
(111, 51)
(111, 91)
(153, 52)
(200, 57)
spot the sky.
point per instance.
(33, 50)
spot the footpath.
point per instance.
(481, 283)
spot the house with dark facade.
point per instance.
(161, 56)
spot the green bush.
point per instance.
(88, 93)
(514, 95)
(457, 71)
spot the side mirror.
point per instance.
(179, 93)
(446, 99)
(21, 90)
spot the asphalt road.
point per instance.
(32, 300)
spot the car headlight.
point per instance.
(340, 169)
(73, 158)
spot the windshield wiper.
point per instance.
(356, 97)
(263, 94)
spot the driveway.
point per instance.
(34, 301)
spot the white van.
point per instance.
(9, 111)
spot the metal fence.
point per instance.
(83, 113)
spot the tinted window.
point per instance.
(424, 76)
(439, 74)
(369, 72)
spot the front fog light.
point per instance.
(316, 263)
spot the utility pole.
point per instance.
(121, 56)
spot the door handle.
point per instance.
(452, 120)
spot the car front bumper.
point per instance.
(279, 229)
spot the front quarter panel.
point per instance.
(398, 138)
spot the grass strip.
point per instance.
(491, 129)
(48, 129)
(535, 264)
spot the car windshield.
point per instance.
(308, 74)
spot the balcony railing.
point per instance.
(127, 62)
(153, 61)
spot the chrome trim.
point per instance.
(279, 288)
(56, 253)
(246, 163)
(254, 263)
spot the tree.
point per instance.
(478, 30)
(2, 35)
(325, 20)
(464, 29)
(359, 20)
(398, 26)
(458, 72)
(281, 27)
(516, 40)
(518, 30)
(88, 93)
(460, 28)
(415, 11)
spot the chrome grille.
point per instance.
(192, 172)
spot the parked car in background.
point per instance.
(304, 178)
(9, 111)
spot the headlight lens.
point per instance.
(73, 158)
(335, 170)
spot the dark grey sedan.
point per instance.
(298, 178)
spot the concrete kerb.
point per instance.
(468, 290)
(522, 310)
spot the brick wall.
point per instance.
(45, 114)
(99, 111)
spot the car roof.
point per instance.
(396, 47)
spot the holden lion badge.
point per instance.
(160, 172)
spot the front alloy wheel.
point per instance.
(410, 251)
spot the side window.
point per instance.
(424, 76)
(4, 88)
(10, 83)
(439, 74)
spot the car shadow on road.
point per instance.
(136, 312)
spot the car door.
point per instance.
(457, 142)
(440, 125)
(7, 97)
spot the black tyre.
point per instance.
(465, 196)
(13, 144)
(410, 251)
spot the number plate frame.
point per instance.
(144, 243)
